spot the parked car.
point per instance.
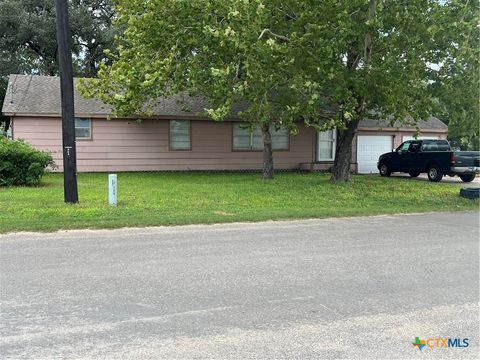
(434, 157)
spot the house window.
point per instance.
(180, 135)
(280, 139)
(326, 145)
(243, 139)
(83, 128)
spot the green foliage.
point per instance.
(457, 81)
(28, 43)
(229, 52)
(285, 59)
(189, 197)
(330, 63)
(21, 164)
(28, 39)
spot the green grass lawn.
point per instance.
(147, 199)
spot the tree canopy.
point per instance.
(228, 52)
(457, 81)
(28, 42)
(328, 63)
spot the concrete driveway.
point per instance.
(446, 179)
(357, 288)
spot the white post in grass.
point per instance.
(112, 189)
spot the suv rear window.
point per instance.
(435, 145)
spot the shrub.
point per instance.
(21, 164)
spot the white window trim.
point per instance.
(334, 144)
(89, 127)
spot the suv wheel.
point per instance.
(385, 170)
(434, 173)
(414, 174)
(467, 177)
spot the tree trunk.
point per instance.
(7, 124)
(267, 152)
(343, 156)
(343, 153)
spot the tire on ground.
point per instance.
(434, 173)
(384, 170)
(467, 177)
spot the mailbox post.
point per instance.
(112, 189)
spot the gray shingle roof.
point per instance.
(33, 94)
(40, 95)
(432, 123)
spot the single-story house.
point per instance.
(173, 139)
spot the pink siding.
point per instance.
(126, 145)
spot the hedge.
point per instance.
(21, 164)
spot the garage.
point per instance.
(369, 148)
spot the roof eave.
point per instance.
(401, 129)
(17, 114)
(104, 116)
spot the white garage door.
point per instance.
(369, 148)
(405, 138)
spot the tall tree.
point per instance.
(229, 52)
(329, 63)
(394, 55)
(457, 80)
(28, 42)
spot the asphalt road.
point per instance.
(357, 288)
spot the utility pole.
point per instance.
(68, 112)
